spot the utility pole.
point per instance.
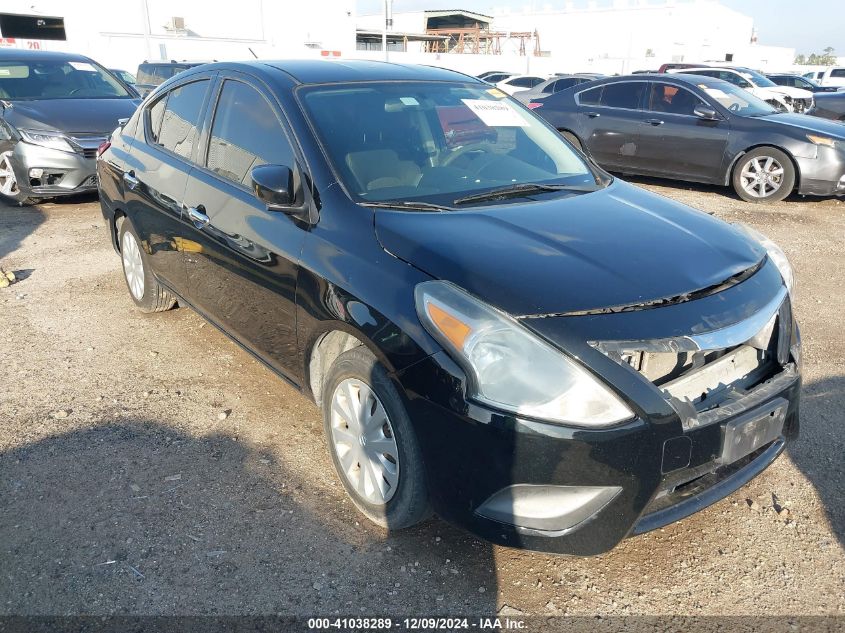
(146, 10)
(388, 25)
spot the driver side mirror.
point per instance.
(274, 186)
(705, 112)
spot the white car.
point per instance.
(783, 97)
(519, 82)
(833, 76)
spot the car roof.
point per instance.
(53, 56)
(695, 80)
(314, 71)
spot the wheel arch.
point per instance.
(751, 148)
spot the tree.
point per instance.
(826, 58)
(801, 59)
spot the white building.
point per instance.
(123, 34)
(629, 35)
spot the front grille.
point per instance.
(89, 182)
(701, 381)
(87, 144)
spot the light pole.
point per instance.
(388, 25)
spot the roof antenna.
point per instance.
(252, 51)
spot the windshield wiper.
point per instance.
(522, 189)
(408, 205)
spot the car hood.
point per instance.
(94, 116)
(795, 93)
(620, 246)
(809, 124)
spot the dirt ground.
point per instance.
(149, 466)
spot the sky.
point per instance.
(808, 26)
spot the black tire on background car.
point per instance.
(147, 293)
(9, 183)
(372, 443)
(569, 136)
(765, 174)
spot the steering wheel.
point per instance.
(464, 149)
(734, 107)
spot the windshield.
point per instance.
(436, 141)
(57, 79)
(759, 80)
(738, 100)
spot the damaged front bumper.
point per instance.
(536, 485)
(42, 172)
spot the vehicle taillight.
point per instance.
(103, 147)
(534, 106)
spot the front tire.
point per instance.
(372, 442)
(147, 293)
(9, 187)
(764, 174)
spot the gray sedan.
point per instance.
(829, 105)
(56, 109)
(700, 129)
(550, 86)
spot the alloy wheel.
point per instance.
(761, 176)
(363, 441)
(8, 182)
(133, 266)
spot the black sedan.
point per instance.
(797, 81)
(829, 106)
(493, 327)
(700, 129)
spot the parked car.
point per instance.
(829, 105)
(665, 68)
(797, 81)
(550, 86)
(55, 111)
(490, 73)
(701, 129)
(517, 83)
(125, 76)
(477, 321)
(152, 74)
(782, 97)
(495, 78)
(833, 76)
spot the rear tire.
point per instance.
(147, 293)
(764, 174)
(382, 473)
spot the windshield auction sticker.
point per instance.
(495, 113)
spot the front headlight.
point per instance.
(52, 140)
(775, 253)
(509, 367)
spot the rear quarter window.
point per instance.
(590, 97)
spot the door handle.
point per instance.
(593, 115)
(197, 216)
(130, 180)
(654, 121)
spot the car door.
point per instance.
(610, 119)
(675, 142)
(242, 259)
(156, 173)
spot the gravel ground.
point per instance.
(149, 466)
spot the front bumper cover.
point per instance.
(69, 173)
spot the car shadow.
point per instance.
(16, 224)
(131, 516)
(819, 449)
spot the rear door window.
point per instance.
(837, 72)
(180, 118)
(590, 97)
(246, 132)
(626, 95)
